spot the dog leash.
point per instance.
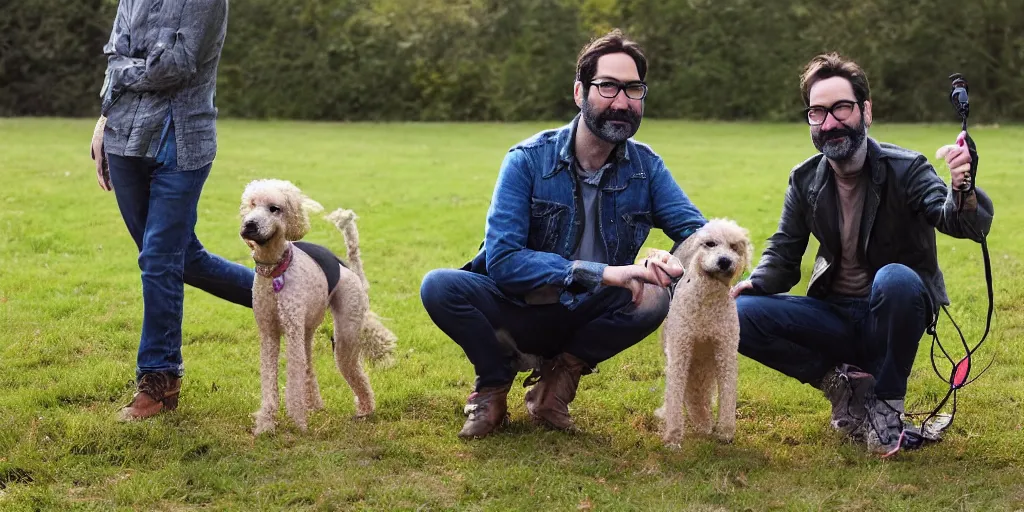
(935, 422)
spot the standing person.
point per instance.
(154, 146)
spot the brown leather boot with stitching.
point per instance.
(157, 392)
(487, 410)
(548, 401)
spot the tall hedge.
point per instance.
(464, 60)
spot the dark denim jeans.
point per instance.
(804, 337)
(158, 203)
(469, 308)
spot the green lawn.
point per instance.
(71, 309)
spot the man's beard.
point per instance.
(602, 123)
(840, 144)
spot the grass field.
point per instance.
(70, 315)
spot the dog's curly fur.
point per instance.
(275, 213)
(700, 335)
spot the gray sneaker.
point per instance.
(884, 428)
(849, 389)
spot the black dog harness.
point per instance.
(327, 261)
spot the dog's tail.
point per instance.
(376, 342)
(345, 221)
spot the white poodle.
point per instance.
(295, 284)
(701, 333)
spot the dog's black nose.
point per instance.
(249, 226)
(724, 263)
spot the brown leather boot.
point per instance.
(156, 392)
(487, 410)
(548, 401)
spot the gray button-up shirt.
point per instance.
(162, 59)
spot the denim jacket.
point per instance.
(535, 218)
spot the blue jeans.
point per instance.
(469, 308)
(805, 337)
(158, 204)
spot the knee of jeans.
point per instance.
(654, 307)
(436, 288)
(157, 263)
(898, 281)
(749, 307)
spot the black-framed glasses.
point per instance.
(610, 89)
(841, 110)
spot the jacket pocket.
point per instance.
(545, 221)
(638, 227)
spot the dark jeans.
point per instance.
(158, 204)
(805, 337)
(469, 308)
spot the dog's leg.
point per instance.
(270, 346)
(662, 340)
(727, 368)
(348, 309)
(700, 385)
(313, 400)
(676, 366)
(295, 371)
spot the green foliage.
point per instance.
(461, 60)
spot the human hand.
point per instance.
(633, 277)
(958, 160)
(740, 287)
(96, 152)
(665, 264)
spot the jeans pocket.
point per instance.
(167, 151)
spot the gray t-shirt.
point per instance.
(592, 247)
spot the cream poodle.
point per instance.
(700, 335)
(295, 284)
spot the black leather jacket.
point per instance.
(905, 203)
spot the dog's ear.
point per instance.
(311, 206)
(297, 220)
(244, 208)
(246, 203)
(299, 208)
(749, 256)
(748, 252)
(688, 249)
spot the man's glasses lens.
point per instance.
(841, 111)
(635, 90)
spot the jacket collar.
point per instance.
(826, 208)
(566, 140)
(875, 163)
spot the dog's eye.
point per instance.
(710, 243)
(274, 209)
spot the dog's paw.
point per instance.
(364, 408)
(263, 425)
(672, 439)
(660, 413)
(725, 435)
(315, 403)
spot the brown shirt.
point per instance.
(852, 277)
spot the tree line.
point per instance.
(513, 60)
